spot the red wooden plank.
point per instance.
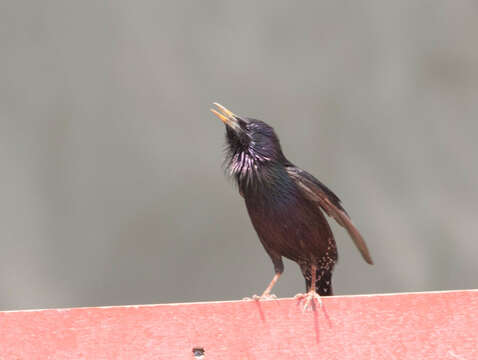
(440, 325)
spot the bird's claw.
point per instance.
(261, 298)
(311, 295)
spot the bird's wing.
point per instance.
(330, 203)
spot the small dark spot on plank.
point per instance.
(198, 352)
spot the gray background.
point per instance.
(111, 189)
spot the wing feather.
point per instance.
(330, 204)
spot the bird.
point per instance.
(286, 205)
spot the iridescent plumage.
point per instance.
(285, 203)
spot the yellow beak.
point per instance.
(226, 116)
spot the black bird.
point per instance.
(286, 204)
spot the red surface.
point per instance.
(441, 325)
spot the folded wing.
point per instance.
(330, 203)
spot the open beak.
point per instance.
(226, 116)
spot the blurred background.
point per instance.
(111, 187)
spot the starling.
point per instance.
(286, 204)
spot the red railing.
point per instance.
(436, 325)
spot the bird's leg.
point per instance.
(266, 295)
(267, 291)
(312, 293)
(278, 269)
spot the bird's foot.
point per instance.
(311, 295)
(261, 298)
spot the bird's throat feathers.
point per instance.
(254, 173)
(254, 158)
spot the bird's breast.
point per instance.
(289, 224)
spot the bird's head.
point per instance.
(252, 145)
